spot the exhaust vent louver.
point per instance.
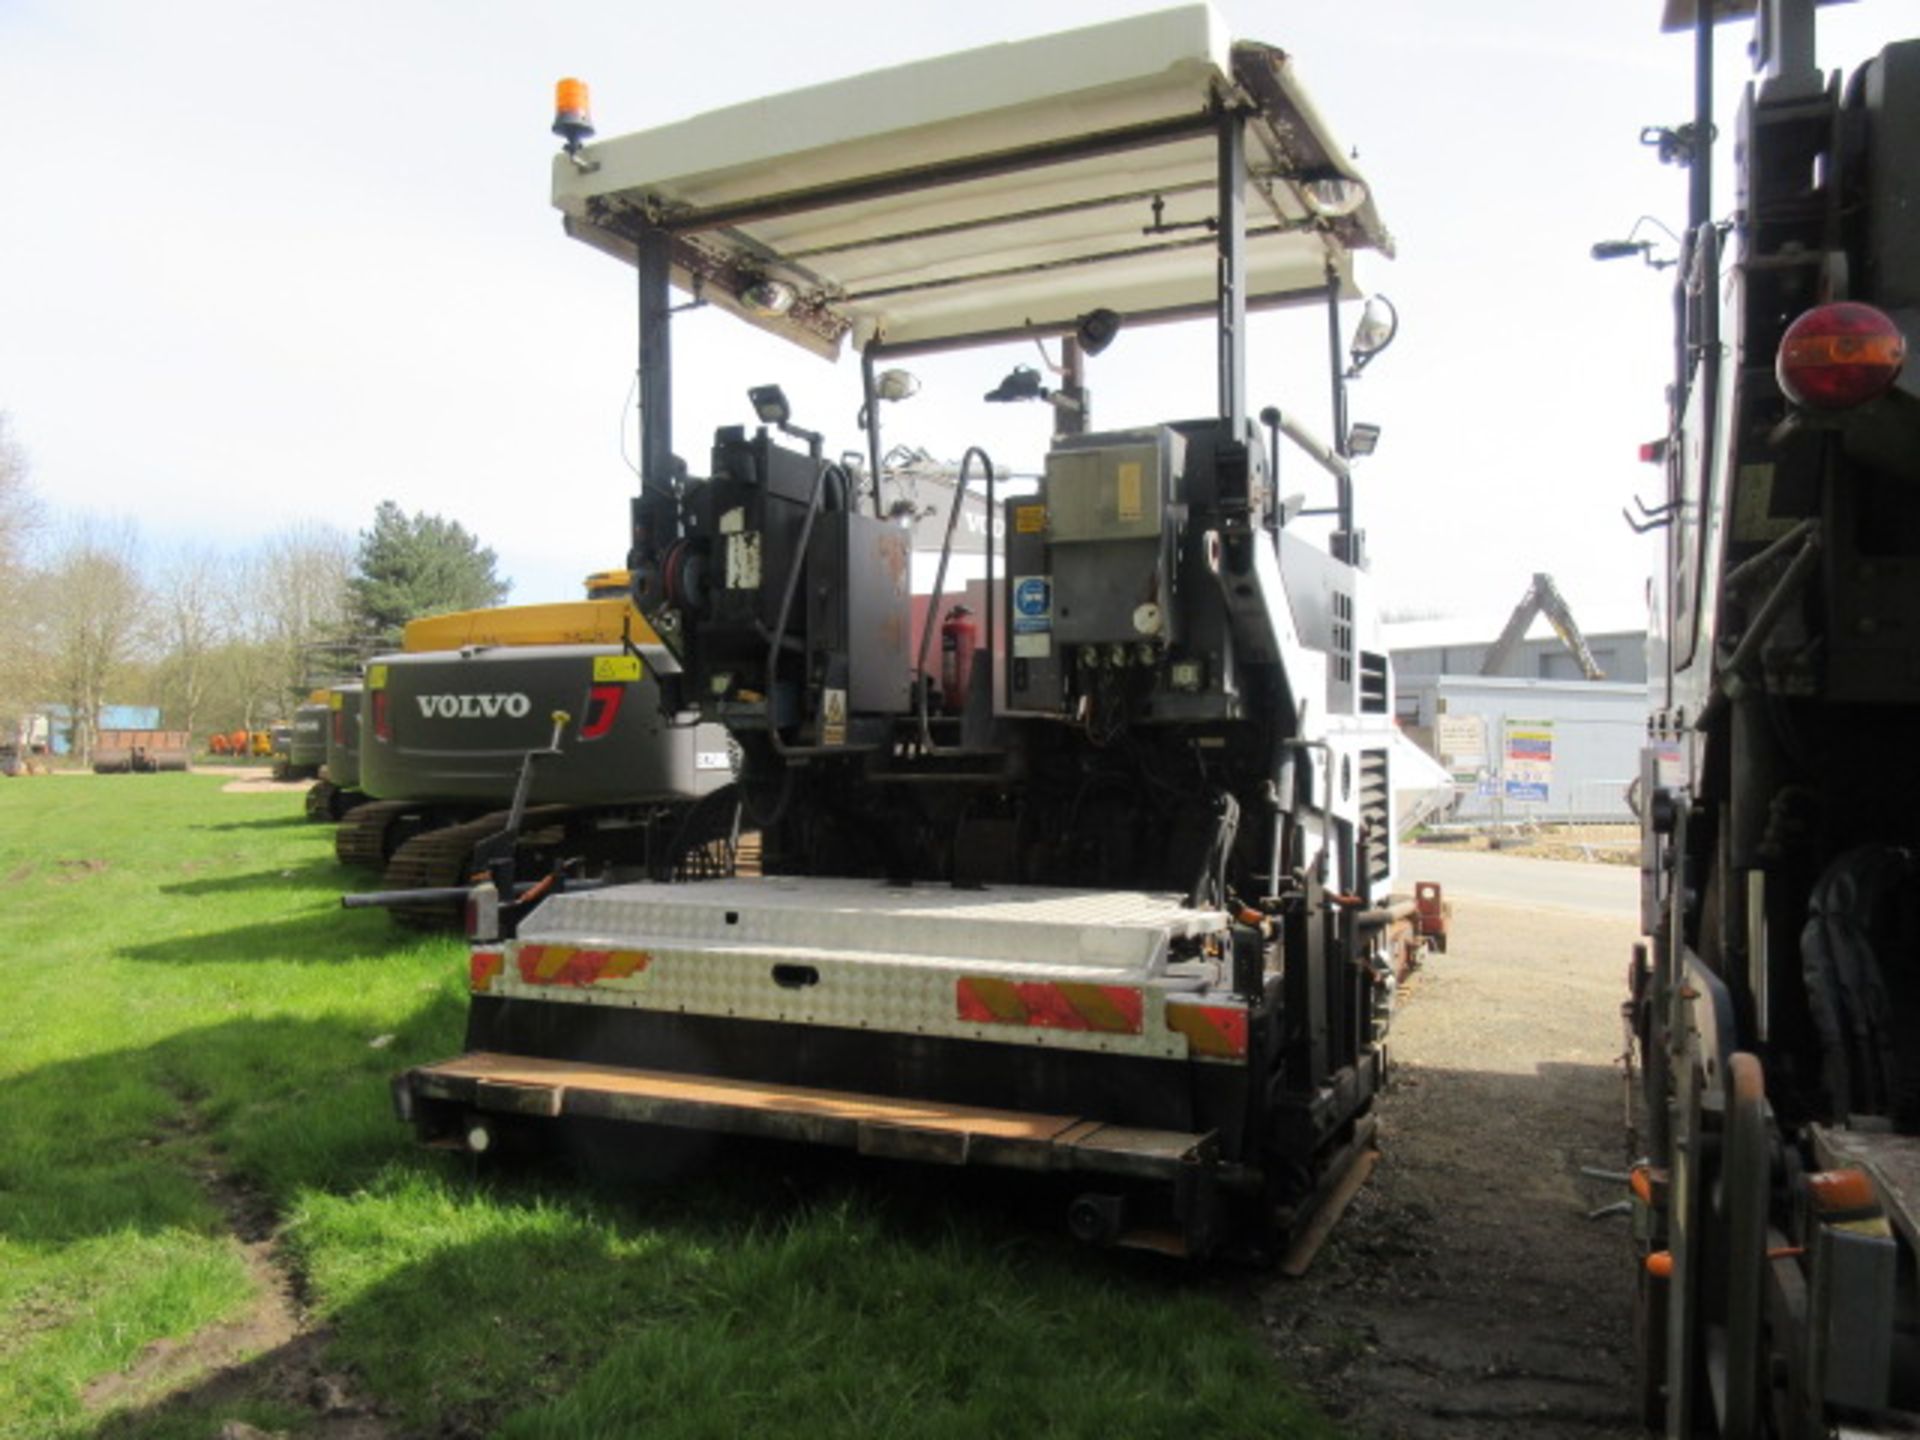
(1376, 814)
(1373, 683)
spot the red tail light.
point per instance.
(382, 717)
(1838, 356)
(340, 727)
(603, 708)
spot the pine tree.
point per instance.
(410, 566)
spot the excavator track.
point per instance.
(445, 857)
(362, 839)
(700, 837)
(320, 800)
(328, 803)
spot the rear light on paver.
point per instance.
(483, 914)
(1842, 1195)
(382, 717)
(1838, 356)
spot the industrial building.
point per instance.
(1538, 741)
(48, 728)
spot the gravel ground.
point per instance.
(1465, 1293)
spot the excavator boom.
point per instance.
(1543, 597)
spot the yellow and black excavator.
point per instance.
(1543, 597)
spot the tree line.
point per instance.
(217, 639)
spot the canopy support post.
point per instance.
(1343, 541)
(1231, 240)
(656, 510)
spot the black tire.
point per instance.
(1860, 955)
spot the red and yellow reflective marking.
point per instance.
(1049, 1005)
(1216, 1031)
(482, 967)
(568, 965)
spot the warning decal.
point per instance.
(1032, 617)
(1527, 767)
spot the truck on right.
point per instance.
(1775, 1003)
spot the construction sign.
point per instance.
(1462, 741)
(1526, 768)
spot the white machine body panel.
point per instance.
(1095, 967)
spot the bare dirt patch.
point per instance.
(256, 780)
(272, 1320)
(271, 1351)
(1466, 1292)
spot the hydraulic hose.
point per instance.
(939, 587)
(787, 593)
(1210, 884)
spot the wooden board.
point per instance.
(752, 1095)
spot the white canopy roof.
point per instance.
(1679, 14)
(1007, 188)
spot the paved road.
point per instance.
(1518, 880)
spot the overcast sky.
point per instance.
(262, 263)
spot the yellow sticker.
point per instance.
(376, 677)
(610, 668)
(1030, 519)
(336, 701)
(1128, 500)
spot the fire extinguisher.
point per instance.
(959, 638)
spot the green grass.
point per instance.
(186, 1002)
